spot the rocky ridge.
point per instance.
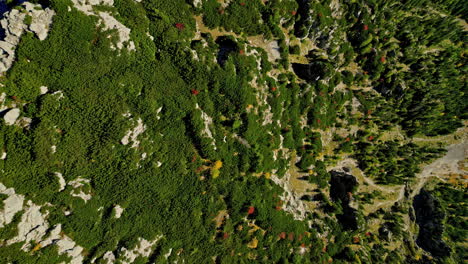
(15, 23)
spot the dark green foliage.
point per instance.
(452, 201)
(392, 162)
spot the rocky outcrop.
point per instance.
(207, 122)
(292, 203)
(132, 135)
(34, 229)
(11, 116)
(43, 89)
(429, 217)
(143, 249)
(118, 210)
(32, 226)
(61, 181)
(110, 23)
(14, 25)
(313, 71)
(341, 187)
(81, 188)
(226, 47)
(107, 21)
(11, 205)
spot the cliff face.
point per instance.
(430, 217)
(341, 188)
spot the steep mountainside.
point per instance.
(233, 131)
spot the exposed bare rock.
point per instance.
(443, 166)
(109, 257)
(168, 254)
(242, 140)
(86, 6)
(61, 181)
(291, 202)
(118, 211)
(2, 100)
(143, 248)
(196, 3)
(81, 188)
(41, 20)
(14, 25)
(107, 21)
(11, 116)
(44, 89)
(59, 94)
(132, 135)
(11, 205)
(110, 23)
(273, 51)
(67, 246)
(208, 121)
(32, 227)
(54, 236)
(24, 122)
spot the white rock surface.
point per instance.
(24, 122)
(273, 51)
(168, 254)
(11, 116)
(4, 155)
(67, 246)
(291, 202)
(106, 20)
(109, 257)
(11, 205)
(41, 20)
(64, 243)
(86, 6)
(78, 184)
(14, 25)
(54, 236)
(158, 112)
(109, 23)
(207, 121)
(61, 181)
(44, 89)
(59, 94)
(118, 211)
(2, 100)
(132, 135)
(197, 3)
(85, 196)
(143, 248)
(32, 227)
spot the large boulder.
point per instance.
(11, 116)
